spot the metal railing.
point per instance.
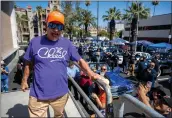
(86, 98)
(108, 95)
(119, 111)
(106, 89)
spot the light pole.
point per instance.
(137, 29)
(97, 19)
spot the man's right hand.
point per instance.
(24, 85)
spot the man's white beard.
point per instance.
(55, 39)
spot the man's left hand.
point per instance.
(95, 76)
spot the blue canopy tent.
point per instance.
(119, 41)
(161, 45)
(142, 42)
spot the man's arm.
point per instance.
(85, 67)
(27, 68)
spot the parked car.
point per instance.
(165, 63)
(139, 54)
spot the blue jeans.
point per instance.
(4, 85)
(125, 67)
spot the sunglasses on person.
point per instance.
(51, 25)
(103, 69)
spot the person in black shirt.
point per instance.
(131, 65)
(142, 64)
(156, 61)
(125, 64)
(80, 50)
(149, 74)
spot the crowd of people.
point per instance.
(90, 88)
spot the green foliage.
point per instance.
(87, 3)
(112, 13)
(118, 34)
(55, 8)
(155, 3)
(40, 11)
(76, 17)
(24, 17)
(136, 9)
(103, 33)
(87, 19)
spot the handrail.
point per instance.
(86, 98)
(106, 89)
(108, 94)
(118, 112)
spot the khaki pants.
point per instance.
(131, 72)
(38, 108)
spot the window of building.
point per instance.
(35, 30)
(26, 38)
(159, 27)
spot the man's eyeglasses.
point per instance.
(60, 27)
(104, 69)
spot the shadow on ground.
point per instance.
(17, 111)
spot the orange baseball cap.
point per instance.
(55, 16)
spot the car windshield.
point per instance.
(163, 56)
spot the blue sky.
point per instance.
(164, 7)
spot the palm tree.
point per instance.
(87, 3)
(112, 13)
(68, 13)
(87, 20)
(55, 8)
(15, 6)
(19, 26)
(40, 12)
(137, 9)
(154, 3)
(24, 21)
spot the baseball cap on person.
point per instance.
(168, 101)
(55, 16)
(159, 89)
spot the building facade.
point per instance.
(9, 38)
(155, 29)
(29, 26)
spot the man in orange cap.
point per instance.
(49, 55)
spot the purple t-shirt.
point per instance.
(50, 59)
